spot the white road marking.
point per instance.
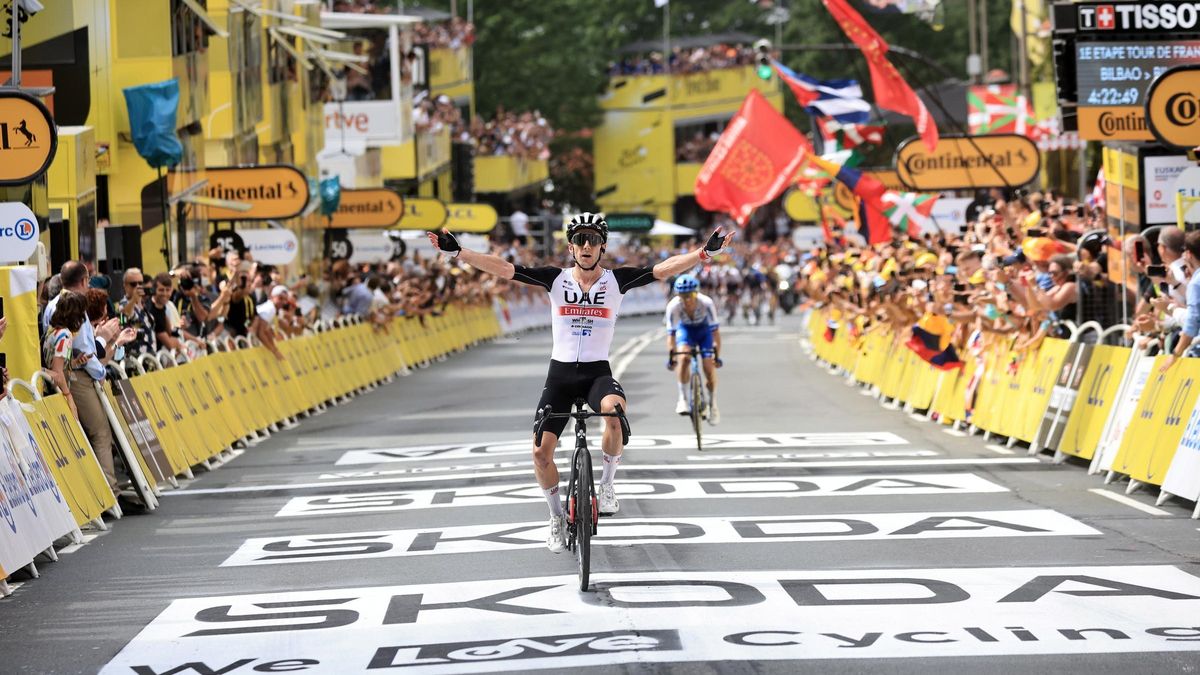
(951, 431)
(673, 617)
(643, 341)
(997, 448)
(1130, 502)
(528, 492)
(459, 476)
(341, 546)
(87, 539)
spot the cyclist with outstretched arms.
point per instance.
(585, 300)
(691, 319)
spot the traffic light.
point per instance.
(762, 59)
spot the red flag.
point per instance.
(891, 91)
(755, 159)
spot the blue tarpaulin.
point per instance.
(152, 117)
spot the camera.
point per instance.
(186, 283)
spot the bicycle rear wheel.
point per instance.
(585, 493)
(697, 408)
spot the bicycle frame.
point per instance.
(583, 512)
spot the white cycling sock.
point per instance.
(683, 390)
(611, 462)
(552, 499)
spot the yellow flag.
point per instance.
(1037, 28)
(18, 291)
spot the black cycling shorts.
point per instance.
(566, 382)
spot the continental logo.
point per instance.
(1173, 107)
(919, 165)
(968, 162)
(1113, 124)
(273, 192)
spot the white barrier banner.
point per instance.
(671, 617)
(1183, 477)
(272, 246)
(33, 512)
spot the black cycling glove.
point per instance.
(715, 244)
(445, 242)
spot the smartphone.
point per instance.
(1035, 232)
(1139, 249)
(1, 308)
(3, 360)
(1156, 270)
(1164, 288)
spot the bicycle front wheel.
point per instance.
(585, 510)
(697, 408)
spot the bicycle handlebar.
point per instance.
(547, 413)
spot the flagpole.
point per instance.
(667, 39)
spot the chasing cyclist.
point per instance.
(691, 319)
(584, 301)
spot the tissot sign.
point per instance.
(1137, 17)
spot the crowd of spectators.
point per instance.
(1019, 270)
(525, 135)
(696, 148)
(685, 61)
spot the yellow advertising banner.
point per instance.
(635, 153)
(423, 213)
(374, 207)
(1173, 107)
(967, 162)
(28, 138)
(18, 297)
(799, 206)
(273, 191)
(471, 217)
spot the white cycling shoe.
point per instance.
(557, 541)
(714, 415)
(682, 407)
(608, 500)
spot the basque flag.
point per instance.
(840, 99)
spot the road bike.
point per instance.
(699, 409)
(583, 513)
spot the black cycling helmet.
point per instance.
(1094, 242)
(589, 221)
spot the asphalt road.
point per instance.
(817, 531)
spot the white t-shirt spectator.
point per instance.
(267, 312)
(520, 223)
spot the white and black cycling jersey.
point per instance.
(583, 324)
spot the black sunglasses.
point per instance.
(582, 238)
